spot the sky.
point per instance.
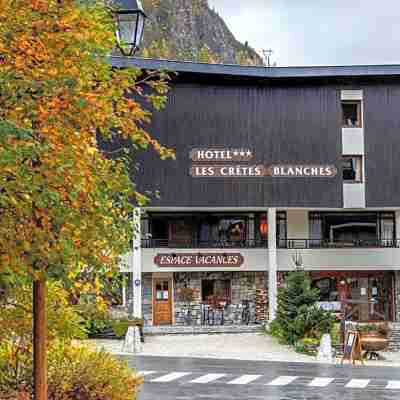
(317, 32)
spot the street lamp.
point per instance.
(130, 18)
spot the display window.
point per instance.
(363, 296)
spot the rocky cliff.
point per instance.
(191, 30)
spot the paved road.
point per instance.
(210, 379)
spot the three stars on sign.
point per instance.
(242, 153)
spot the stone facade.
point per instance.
(147, 298)
(244, 286)
(397, 295)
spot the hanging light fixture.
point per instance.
(263, 225)
(130, 19)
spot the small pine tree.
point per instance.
(292, 297)
(298, 315)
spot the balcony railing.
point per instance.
(263, 243)
(203, 244)
(337, 244)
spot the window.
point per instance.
(181, 232)
(327, 289)
(387, 229)
(362, 229)
(281, 226)
(351, 114)
(352, 169)
(215, 290)
(222, 231)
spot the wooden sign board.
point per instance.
(352, 347)
(225, 164)
(199, 260)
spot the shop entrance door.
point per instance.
(162, 301)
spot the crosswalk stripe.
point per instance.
(207, 378)
(393, 385)
(244, 379)
(171, 377)
(282, 381)
(145, 373)
(321, 382)
(247, 379)
(358, 383)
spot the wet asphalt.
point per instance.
(172, 378)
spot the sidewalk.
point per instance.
(246, 346)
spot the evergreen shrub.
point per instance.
(298, 315)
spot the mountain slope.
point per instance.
(190, 30)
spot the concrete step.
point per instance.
(201, 329)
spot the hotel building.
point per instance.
(274, 167)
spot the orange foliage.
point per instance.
(64, 204)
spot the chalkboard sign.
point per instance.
(352, 347)
(349, 345)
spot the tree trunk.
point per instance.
(39, 339)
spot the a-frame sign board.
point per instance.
(352, 348)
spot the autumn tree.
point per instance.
(205, 55)
(64, 204)
(157, 49)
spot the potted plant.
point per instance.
(373, 337)
(367, 330)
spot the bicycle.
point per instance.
(187, 316)
(246, 315)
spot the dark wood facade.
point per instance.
(280, 124)
(283, 121)
(382, 144)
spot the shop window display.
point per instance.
(215, 289)
(366, 297)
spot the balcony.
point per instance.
(200, 244)
(263, 243)
(343, 255)
(337, 244)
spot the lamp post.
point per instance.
(130, 19)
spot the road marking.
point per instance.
(358, 383)
(207, 378)
(279, 381)
(145, 373)
(170, 377)
(393, 385)
(282, 381)
(244, 379)
(321, 382)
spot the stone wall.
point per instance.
(244, 286)
(147, 298)
(397, 295)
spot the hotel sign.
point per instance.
(317, 171)
(215, 154)
(199, 260)
(236, 163)
(227, 171)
